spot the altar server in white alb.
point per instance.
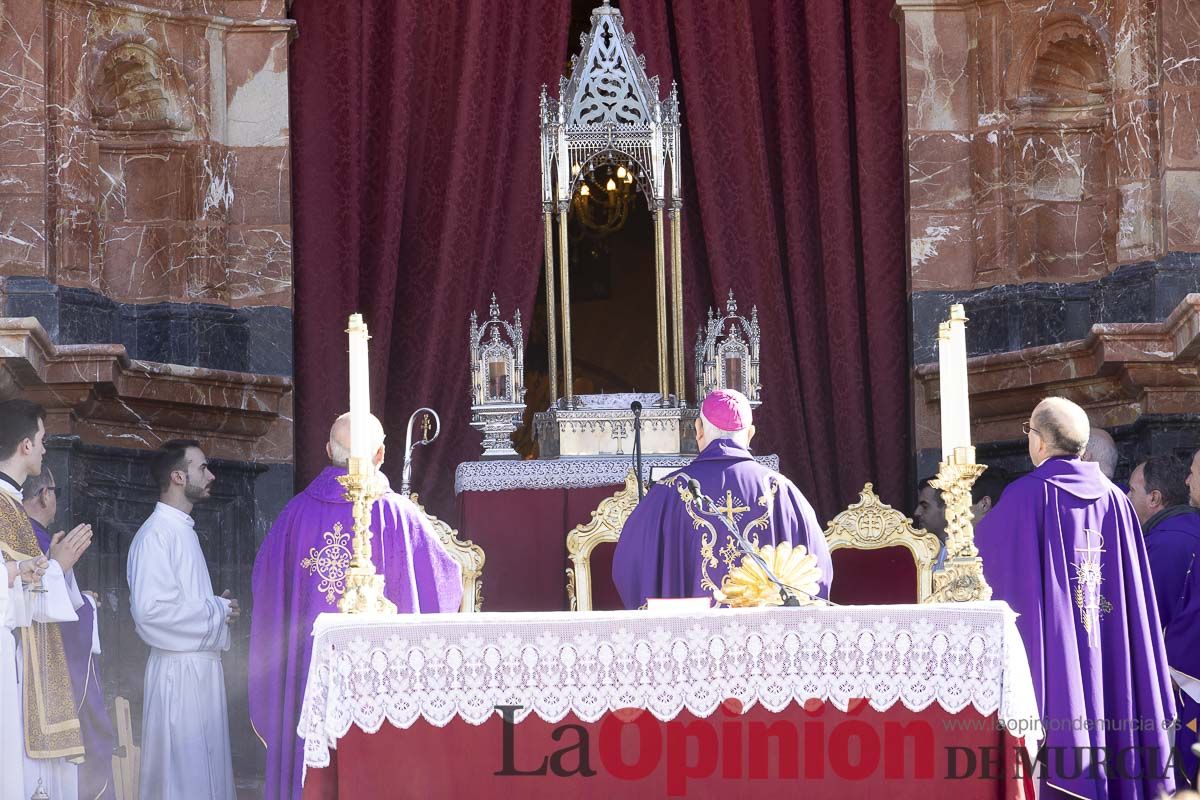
(185, 725)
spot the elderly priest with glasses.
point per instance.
(676, 544)
(1063, 548)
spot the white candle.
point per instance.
(360, 388)
(944, 390)
(958, 353)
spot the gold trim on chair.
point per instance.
(470, 558)
(871, 524)
(605, 526)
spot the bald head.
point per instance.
(339, 440)
(1103, 450)
(36, 484)
(1062, 425)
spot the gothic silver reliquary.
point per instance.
(727, 354)
(497, 381)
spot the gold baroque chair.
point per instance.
(878, 555)
(470, 558)
(594, 543)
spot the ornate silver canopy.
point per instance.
(727, 354)
(497, 380)
(608, 116)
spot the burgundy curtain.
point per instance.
(794, 182)
(415, 164)
(417, 194)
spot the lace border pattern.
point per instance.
(563, 473)
(404, 669)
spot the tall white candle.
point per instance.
(958, 353)
(944, 390)
(360, 388)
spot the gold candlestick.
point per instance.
(961, 578)
(364, 587)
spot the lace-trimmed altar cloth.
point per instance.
(403, 669)
(564, 473)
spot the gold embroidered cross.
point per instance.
(729, 509)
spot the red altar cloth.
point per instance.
(817, 751)
(523, 533)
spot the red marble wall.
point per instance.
(144, 157)
(1033, 139)
(1049, 142)
(167, 151)
(22, 138)
(1181, 121)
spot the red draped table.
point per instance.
(911, 701)
(519, 512)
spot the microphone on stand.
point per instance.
(636, 408)
(706, 505)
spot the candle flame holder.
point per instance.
(961, 578)
(364, 586)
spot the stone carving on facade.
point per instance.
(132, 89)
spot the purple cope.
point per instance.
(299, 573)
(1064, 549)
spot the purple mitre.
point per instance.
(665, 551)
(1064, 549)
(299, 573)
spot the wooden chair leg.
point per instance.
(127, 760)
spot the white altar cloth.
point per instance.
(401, 669)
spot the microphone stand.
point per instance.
(636, 408)
(706, 505)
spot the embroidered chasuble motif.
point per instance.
(732, 509)
(330, 562)
(50, 720)
(1088, 580)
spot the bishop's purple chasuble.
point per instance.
(668, 548)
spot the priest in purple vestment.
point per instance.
(1173, 540)
(669, 548)
(81, 645)
(1064, 549)
(300, 573)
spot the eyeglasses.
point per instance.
(1026, 428)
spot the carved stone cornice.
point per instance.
(903, 6)
(253, 21)
(1119, 372)
(96, 392)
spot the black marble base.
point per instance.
(1007, 318)
(1165, 434)
(111, 489)
(255, 340)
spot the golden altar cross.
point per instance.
(729, 509)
